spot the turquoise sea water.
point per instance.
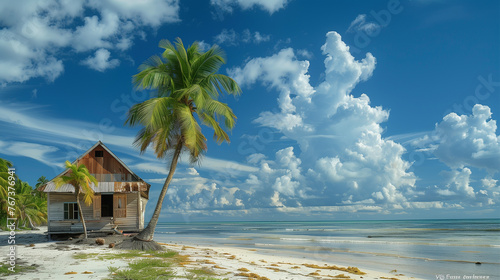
(419, 248)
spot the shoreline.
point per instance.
(51, 260)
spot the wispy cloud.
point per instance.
(361, 24)
(233, 38)
(270, 6)
(26, 121)
(26, 124)
(407, 138)
(41, 153)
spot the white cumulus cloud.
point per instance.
(100, 61)
(35, 31)
(192, 171)
(458, 183)
(343, 153)
(466, 140)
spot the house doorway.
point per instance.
(107, 205)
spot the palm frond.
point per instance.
(193, 51)
(225, 84)
(168, 46)
(191, 131)
(207, 64)
(153, 74)
(219, 134)
(217, 109)
(155, 112)
(190, 92)
(183, 61)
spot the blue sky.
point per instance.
(350, 109)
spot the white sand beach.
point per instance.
(56, 260)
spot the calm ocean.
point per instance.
(419, 248)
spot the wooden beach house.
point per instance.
(119, 201)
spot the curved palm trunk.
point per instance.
(32, 226)
(80, 213)
(148, 233)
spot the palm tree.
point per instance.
(31, 209)
(4, 183)
(4, 177)
(40, 182)
(188, 88)
(81, 179)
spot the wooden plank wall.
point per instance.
(56, 217)
(56, 206)
(76, 226)
(130, 221)
(57, 222)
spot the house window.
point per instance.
(70, 211)
(99, 153)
